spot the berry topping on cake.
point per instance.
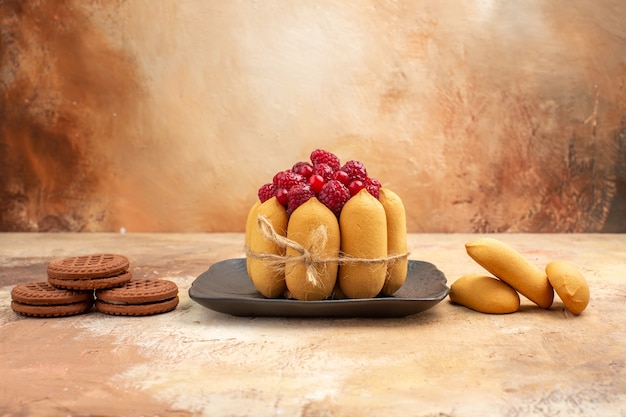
(287, 179)
(334, 195)
(316, 182)
(266, 192)
(373, 186)
(323, 177)
(355, 186)
(298, 195)
(323, 170)
(320, 156)
(303, 168)
(342, 177)
(355, 170)
(282, 195)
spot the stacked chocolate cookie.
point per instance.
(74, 284)
(41, 299)
(89, 272)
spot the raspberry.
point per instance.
(320, 156)
(373, 181)
(355, 170)
(323, 170)
(266, 192)
(298, 195)
(303, 168)
(373, 186)
(334, 195)
(287, 179)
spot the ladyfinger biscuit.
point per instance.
(395, 213)
(315, 227)
(363, 226)
(251, 224)
(484, 294)
(267, 277)
(569, 284)
(511, 267)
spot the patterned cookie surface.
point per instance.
(51, 310)
(88, 266)
(43, 293)
(40, 299)
(140, 291)
(140, 297)
(91, 283)
(137, 309)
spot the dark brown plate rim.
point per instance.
(226, 288)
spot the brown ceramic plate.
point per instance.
(225, 287)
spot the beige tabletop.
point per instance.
(445, 361)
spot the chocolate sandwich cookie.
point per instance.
(41, 299)
(84, 284)
(89, 272)
(140, 297)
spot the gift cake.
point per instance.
(326, 230)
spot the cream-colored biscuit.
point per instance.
(511, 267)
(364, 236)
(266, 276)
(396, 240)
(484, 294)
(569, 284)
(251, 224)
(310, 225)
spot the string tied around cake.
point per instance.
(311, 256)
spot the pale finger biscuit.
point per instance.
(306, 224)
(484, 294)
(511, 267)
(569, 284)
(363, 226)
(395, 213)
(267, 277)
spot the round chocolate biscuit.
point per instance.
(137, 309)
(43, 293)
(88, 266)
(140, 291)
(85, 284)
(41, 299)
(62, 310)
(138, 298)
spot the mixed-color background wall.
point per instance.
(483, 115)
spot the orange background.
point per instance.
(484, 116)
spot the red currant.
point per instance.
(342, 177)
(316, 182)
(282, 195)
(355, 186)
